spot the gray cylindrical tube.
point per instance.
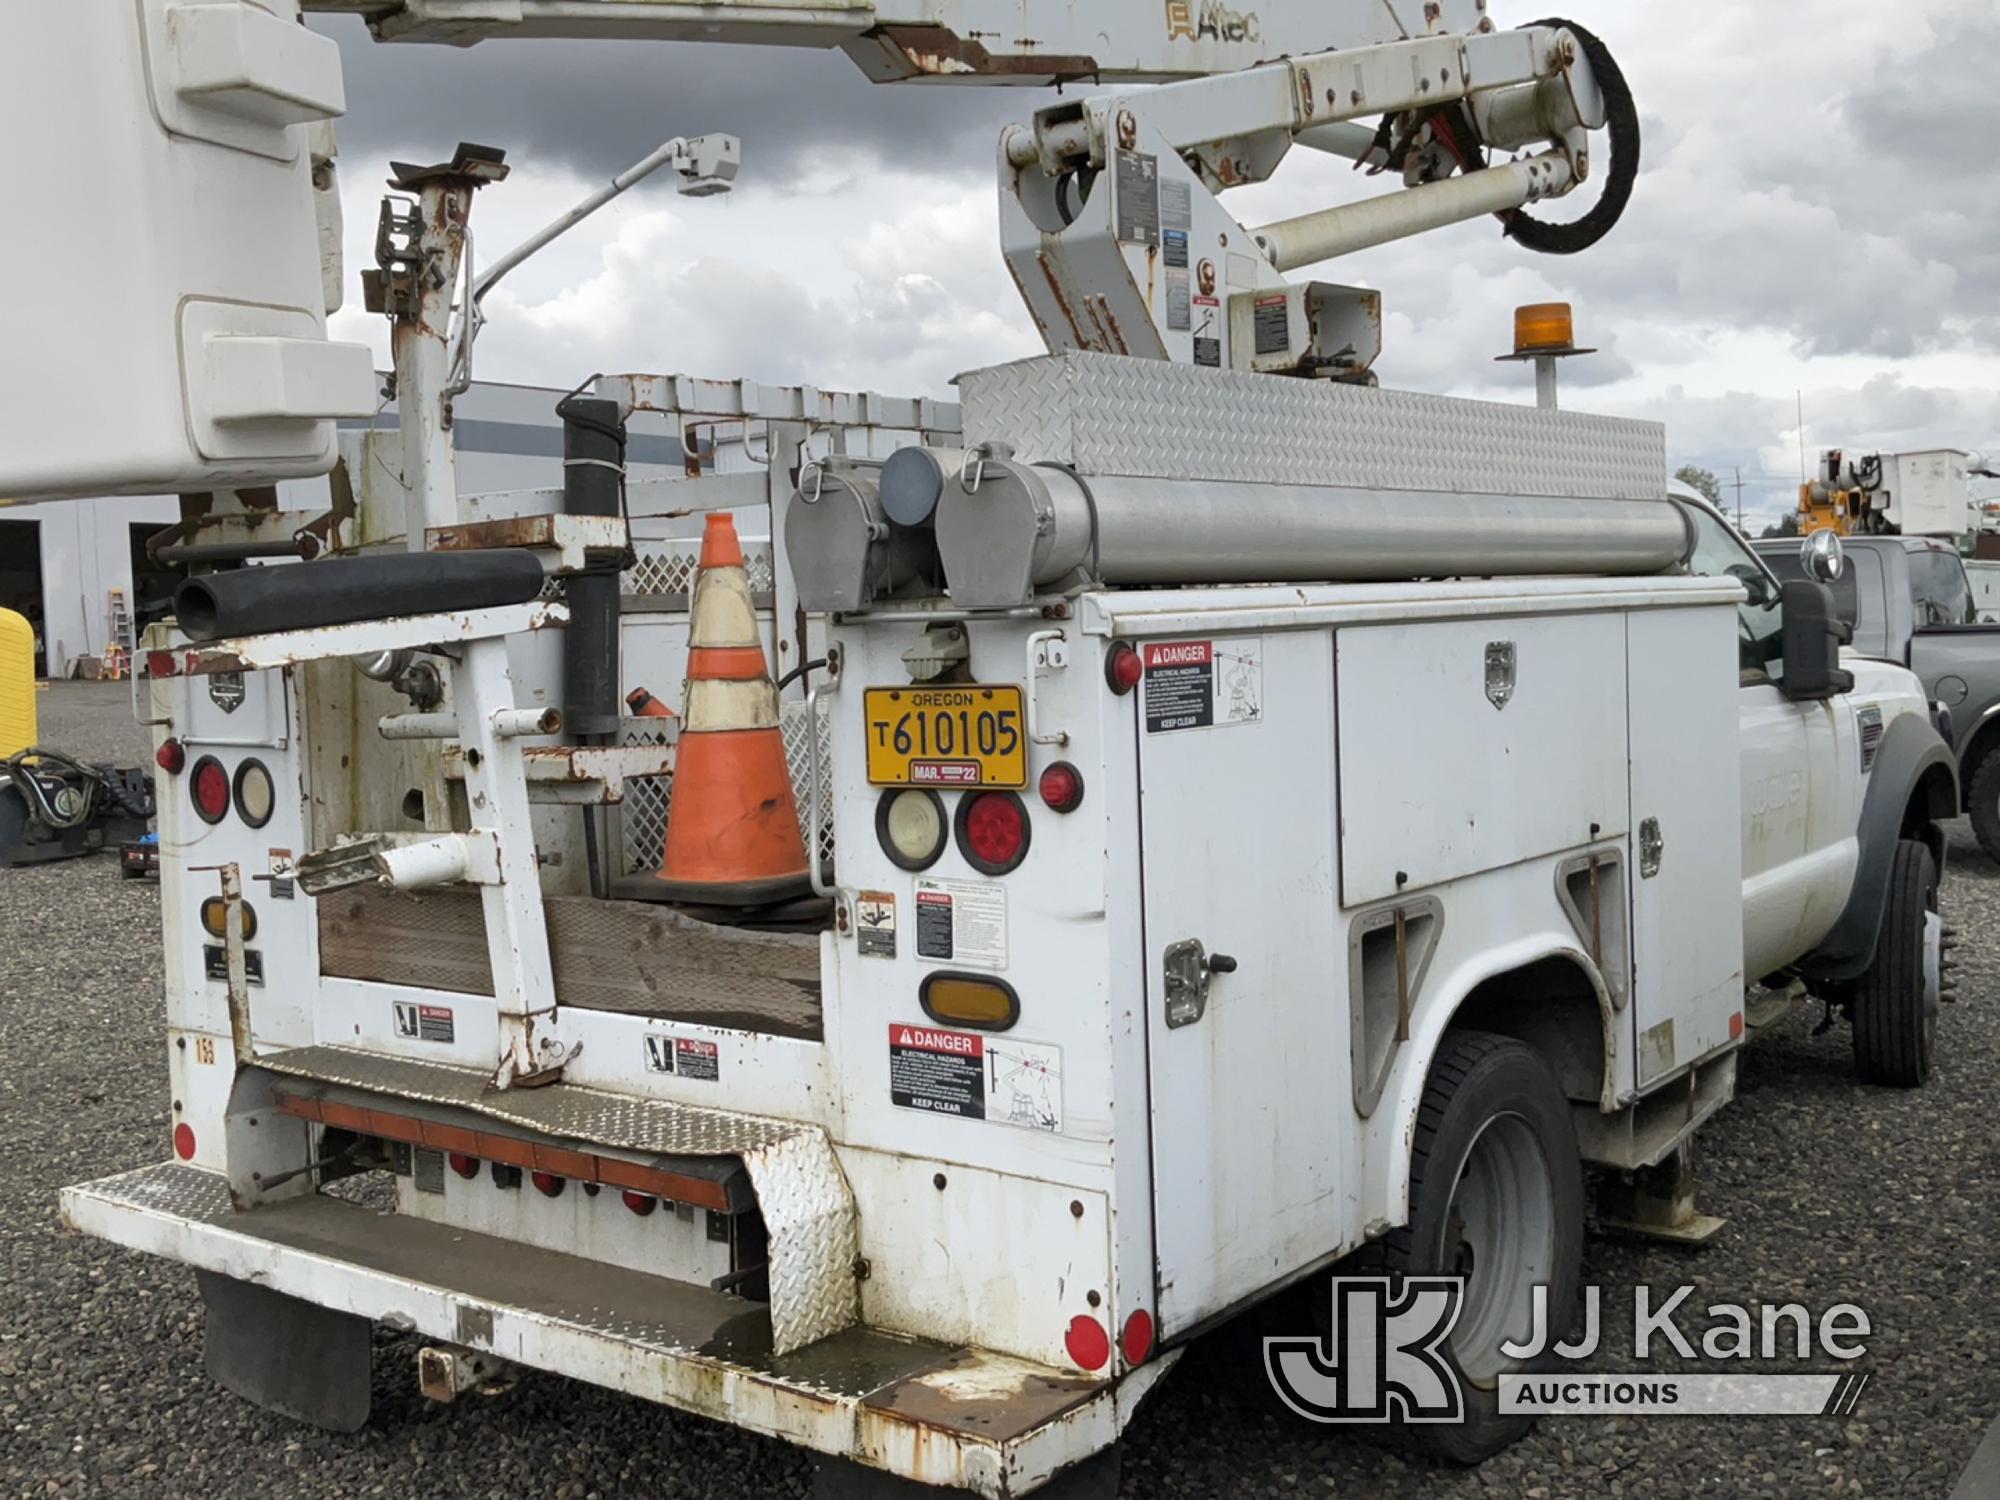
(1030, 530)
(1153, 531)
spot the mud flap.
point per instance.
(299, 1360)
(1096, 1478)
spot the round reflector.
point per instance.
(910, 826)
(640, 1203)
(1061, 787)
(466, 1166)
(209, 787)
(547, 1184)
(254, 794)
(1088, 1344)
(1137, 1340)
(993, 831)
(171, 757)
(184, 1141)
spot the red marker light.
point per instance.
(1736, 1027)
(211, 790)
(1123, 669)
(1061, 787)
(1087, 1342)
(993, 831)
(171, 757)
(1137, 1340)
(547, 1184)
(466, 1166)
(640, 1203)
(184, 1141)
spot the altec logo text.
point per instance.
(1388, 1357)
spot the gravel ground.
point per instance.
(1833, 1193)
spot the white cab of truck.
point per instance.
(1836, 782)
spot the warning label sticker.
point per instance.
(1202, 684)
(962, 922)
(424, 1023)
(1180, 314)
(1274, 324)
(694, 1059)
(875, 924)
(976, 1077)
(683, 1056)
(1137, 177)
(1206, 315)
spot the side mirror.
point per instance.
(1823, 558)
(1813, 632)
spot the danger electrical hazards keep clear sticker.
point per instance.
(1203, 684)
(975, 1077)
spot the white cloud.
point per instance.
(1812, 219)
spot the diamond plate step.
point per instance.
(807, 1206)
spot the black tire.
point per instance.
(1892, 1005)
(1477, 1079)
(1983, 802)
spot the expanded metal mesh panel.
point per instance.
(648, 799)
(664, 570)
(1105, 414)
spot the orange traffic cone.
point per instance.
(733, 830)
(645, 706)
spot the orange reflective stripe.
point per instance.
(727, 663)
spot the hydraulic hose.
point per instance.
(256, 601)
(1622, 120)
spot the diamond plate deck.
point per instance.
(1105, 414)
(807, 1206)
(939, 1413)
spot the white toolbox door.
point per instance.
(1251, 1106)
(1687, 916)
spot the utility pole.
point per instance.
(1739, 497)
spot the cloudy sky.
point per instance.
(1816, 216)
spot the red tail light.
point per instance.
(210, 788)
(993, 831)
(547, 1184)
(171, 757)
(1061, 787)
(1123, 669)
(640, 1203)
(184, 1141)
(466, 1166)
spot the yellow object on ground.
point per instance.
(17, 683)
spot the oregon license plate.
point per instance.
(972, 735)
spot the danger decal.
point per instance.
(1203, 684)
(975, 1077)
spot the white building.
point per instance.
(62, 562)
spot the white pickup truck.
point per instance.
(1845, 784)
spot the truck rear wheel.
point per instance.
(1496, 1197)
(1983, 802)
(1894, 1005)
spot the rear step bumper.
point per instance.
(935, 1413)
